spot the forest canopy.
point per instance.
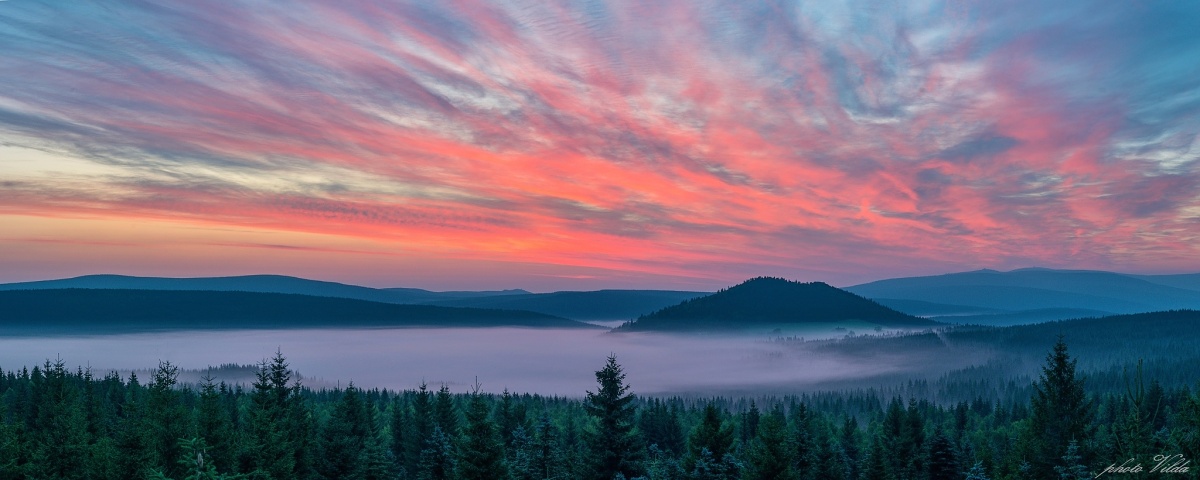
(59, 423)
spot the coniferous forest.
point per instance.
(59, 423)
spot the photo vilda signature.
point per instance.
(1163, 464)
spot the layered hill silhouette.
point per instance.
(1018, 296)
(99, 310)
(987, 297)
(253, 283)
(594, 305)
(1168, 334)
(768, 301)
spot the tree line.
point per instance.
(57, 423)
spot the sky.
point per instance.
(690, 144)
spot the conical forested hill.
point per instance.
(772, 301)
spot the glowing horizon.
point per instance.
(580, 145)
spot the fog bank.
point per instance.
(552, 362)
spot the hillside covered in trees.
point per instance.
(59, 423)
(97, 310)
(768, 301)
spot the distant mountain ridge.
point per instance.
(113, 310)
(983, 296)
(594, 305)
(771, 301)
(1021, 293)
(251, 283)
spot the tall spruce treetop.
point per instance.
(1060, 411)
(481, 455)
(277, 413)
(613, 443)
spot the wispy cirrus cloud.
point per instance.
(714, 139)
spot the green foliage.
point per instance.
(437, 457)
(546, 457)
(279, 434)
(55, 423)
(214, 424)
(770, 301)
(344, 440)
(768, 457)
(445, 412)
(614, 447)
(58, 435)
(10, 448)
(194, 463)
(1072, 467)
(713, 434)
(659, 425)
(419, 430)
(943, 461)
(1061, 412)
(165, 421)
(977, 472)
(481, 455)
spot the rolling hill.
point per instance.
(1069, 291)
(101, 311)
(769, 302)
(596, 305)
(252, 283)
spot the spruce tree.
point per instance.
(768, 457)
(977, 472)
(520, 456)
(421, 430)
(214, 426)
(166, 422)
(481, 455)
(612, 442)
(713, 434)
(59, 431)
(715, 437)
(831, 460)
(659, 425)
(375, 462)
(133, 446)
(911, 446)
(709, 467)
(1185, 437)
(943, 462)
(510, 414)
(875, 465)
(100, 409)
(1134, 427)
(445, 413)
(803, 445)
(10, 448)
(1072, 467)
(1060, 413)
(750, 421)
(280, 426)
(437, 458)
(547, 458)
(344, 437)
(399, 429)
(194, 464)
(849, 443)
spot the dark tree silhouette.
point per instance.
(613, 446)
(1060, 412)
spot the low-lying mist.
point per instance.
(551, 362)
